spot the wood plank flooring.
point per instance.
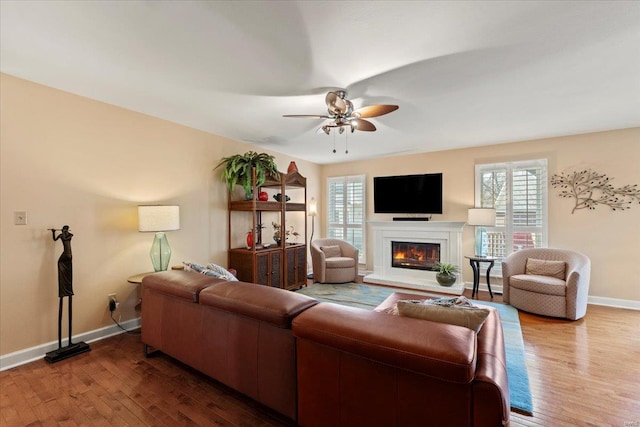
(584, 373)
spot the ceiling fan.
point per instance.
(343, 116)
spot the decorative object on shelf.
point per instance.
(278, 197)
(65, 289)
(292, 167)
(590, 188)
(481, 217)
(237, 169)
(277, 233)
(249, 239)
(159, 219)
(263, 196)
(446, 275)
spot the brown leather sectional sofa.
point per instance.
(326, 364)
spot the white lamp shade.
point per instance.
(313, 207)
(158, 218)
(482, 216)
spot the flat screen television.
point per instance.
(409, 194)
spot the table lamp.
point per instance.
(159, 219)
(481, 217)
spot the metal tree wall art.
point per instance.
(590, 188)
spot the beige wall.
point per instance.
(611, 239)
(70, 160)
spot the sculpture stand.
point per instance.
(71, 349)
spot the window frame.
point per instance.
(509, 228)
(345, 225)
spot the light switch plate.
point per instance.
(20, 218)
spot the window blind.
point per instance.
(346, 210)
(518, 193)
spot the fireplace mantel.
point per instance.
(448, 234)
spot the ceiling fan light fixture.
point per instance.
(325, 129)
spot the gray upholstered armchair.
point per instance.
(334, 261)
(550, 282)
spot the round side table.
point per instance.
(475, 262)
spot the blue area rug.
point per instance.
(369, 297)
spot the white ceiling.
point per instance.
(463, 73)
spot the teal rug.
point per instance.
(369, 297)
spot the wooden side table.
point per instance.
(475, 262)
(136, 279)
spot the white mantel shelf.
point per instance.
(448, 234)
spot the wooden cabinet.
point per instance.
(281, 266)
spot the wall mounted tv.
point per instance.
(409, 194)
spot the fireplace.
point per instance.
(422, 244)
(415, 255)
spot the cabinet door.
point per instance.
(290, 268)
(296, 267)
(301, 262)
(263, 264)
(276, 268)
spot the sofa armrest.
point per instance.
(437, 350)
(491, 387)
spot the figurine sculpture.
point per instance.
(65, 289)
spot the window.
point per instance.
(346, 211)
(518, 193)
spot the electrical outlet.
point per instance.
(112, 302)
(20, 218)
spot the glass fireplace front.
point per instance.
(414, 255)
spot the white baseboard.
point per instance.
(496, 289)
(31, 354)
(609, 302)
(615, 302)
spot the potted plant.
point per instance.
(237, 170)
(446, 275)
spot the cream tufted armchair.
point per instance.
(550, 282)
(334, 261)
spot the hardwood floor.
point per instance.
(583, 373)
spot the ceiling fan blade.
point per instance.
(335, 104)
(375, 110)
(307, 116)
(363, 125)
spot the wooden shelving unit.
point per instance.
(281, 266)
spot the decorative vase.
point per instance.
(248, 196)
(445, 279)
(263, 196)
(277, 240)
(292, 167)
(249, 239)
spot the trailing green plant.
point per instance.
(447, 269)
(237, 169)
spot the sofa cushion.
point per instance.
(543, 267)
(538, 284)
(331, 251)
(454, 311)
(340, 262)
(263, 303)
(179, 283)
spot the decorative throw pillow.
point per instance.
(454, 311)
(223, 272)
(210, 270)
(331, 251)
(192, 266)
(543, 267)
